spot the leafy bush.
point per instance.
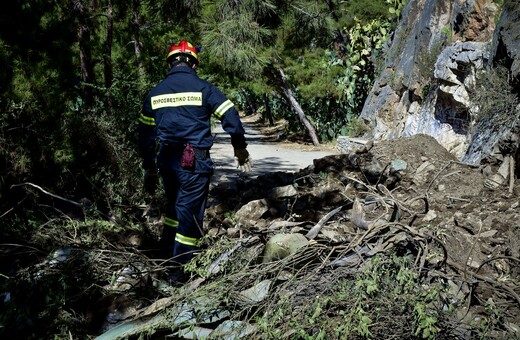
(387, 298)
(494, 96)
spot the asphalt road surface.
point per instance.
(268, 154)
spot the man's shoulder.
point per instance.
(158, 87)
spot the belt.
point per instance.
(200, 153)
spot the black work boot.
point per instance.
(177, 277)
(167, 243)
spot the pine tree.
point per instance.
(247, 38)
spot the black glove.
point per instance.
(151, 180)
(242, 160)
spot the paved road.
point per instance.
(267, 154)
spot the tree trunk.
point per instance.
(85, 55)
(298, 109)
(107, 57)
(338, 35)
(268, 114)
(250, 109)
(136, 4)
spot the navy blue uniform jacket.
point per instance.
(177, 112)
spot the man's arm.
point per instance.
(225, 110)
(147, 132)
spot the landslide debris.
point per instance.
(396, 239)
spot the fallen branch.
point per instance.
(494, 283)
(74, 203)
(316, 229)
(77, 204)
(511, 258)
(401, 206)
(453, 198)
(7, 212)
(437, 175)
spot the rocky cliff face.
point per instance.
(429, 79)
(506, 40)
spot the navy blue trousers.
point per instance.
(187, 194)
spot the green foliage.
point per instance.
(233, 44)
(494, 320)
(447, 31)
(364, 11)
(384, 299)
(332, 84)
(44, 296)
(200, 264)
(495, 97)
(353, 72)
(366, 43)
(307, 23)
(215, 249)
(312, 75)
(396, 7)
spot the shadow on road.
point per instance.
(267, 152)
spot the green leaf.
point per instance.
(371, 288)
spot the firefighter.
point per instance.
(175, 141)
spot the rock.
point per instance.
(255, 294)
(333, 235)
(399, 165)
(233, 232)
(213, 232)
(346, 144)
(252, 212)
(503, 170)
(468, 55)
(232, 329)
(128, 278)
(494, 181)
(506, 47)
(285, 191)
(422, 172)
(430, 216)
(405, 99)
(60, 256)
(282, 245)
(500, 177)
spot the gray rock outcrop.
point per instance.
(431, 69)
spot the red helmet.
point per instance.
(183, 49)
